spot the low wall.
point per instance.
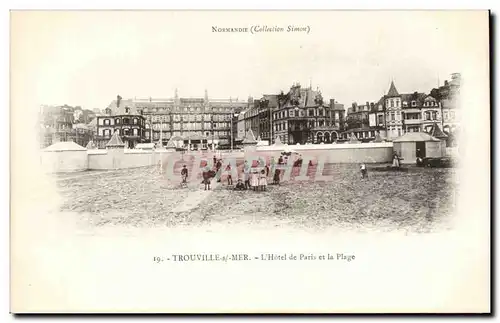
(336, 153)
(64, 161)
(331, 153)
(119, 158)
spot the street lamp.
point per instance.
(213, 130)
(233, 115)
(297, 121)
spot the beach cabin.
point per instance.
(417, 144)
(65, 156)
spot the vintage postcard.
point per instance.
(250, 162)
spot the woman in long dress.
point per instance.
(254, 180)
(395, 161)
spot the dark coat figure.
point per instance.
(364, 171)
(215, 161)
(207, 175)
(276, 178)
(280, 160)
(246, 173)
(184, 174)
(218, 169)
(240, 186)
(229, 176)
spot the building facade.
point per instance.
(131, 128)
(302, 116)
(197, 122)
(64, 123)
(396, 114)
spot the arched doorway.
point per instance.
(319, 137)
(335, 136)
(327, 137)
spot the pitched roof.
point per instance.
(418, 97)
(249, 137)
(392, 90)
(278, 142)
(436, 132)
(115, 141)
(90, 145)
(65, 146)
(171, 144)
(378, 138)
(415, 136)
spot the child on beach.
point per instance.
(364, 172)
(254, 180)
(263, 180)
(240, 186)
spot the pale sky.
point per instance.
(87, 58)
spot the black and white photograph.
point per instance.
(163, 161)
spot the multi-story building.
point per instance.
(449, 95)
(64, 123)
(430, 114)
(252, 118)
(302, 117)
(267, 104)
(197, 122)
(393, 113)
(377, 120)
(123, 118)
(358, 122)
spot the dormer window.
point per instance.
(127, 110)
(405, 104)
(413, 103)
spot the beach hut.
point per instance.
(249, 139)
(417, 144)
(65, 156)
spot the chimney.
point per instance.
(118, 100)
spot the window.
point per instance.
(291, 113)
(107, 132)
(392, 103)
(414, 103)
(117, 121)
(136, 132)
(127, 110)
(135, 120)
(311, 113)
(106, 122)
(393, 116)
(405, 104)
(380, 119)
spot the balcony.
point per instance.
(413, 121)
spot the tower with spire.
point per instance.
(394, 112)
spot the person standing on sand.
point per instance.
(229, 176)
(254, 180)
(276, 178)
(184, 174)
(364, 172)
(263, 180)
(395, 160)
(207, 174)
(246, 174)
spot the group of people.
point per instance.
(254, 177)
